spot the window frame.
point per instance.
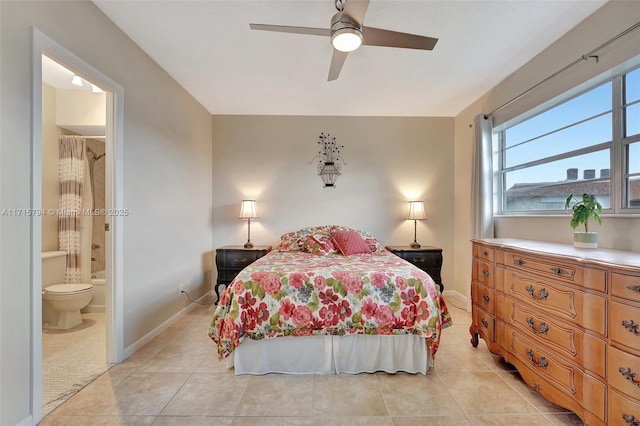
(618, 146)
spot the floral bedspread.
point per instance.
(300, 294)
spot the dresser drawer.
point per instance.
(545, 330)
(483, 296)
(484, 272)
(623, 411)
(625, 325)
(625, 286)
(485, 324)
(544, 266)
(569, 303)
(623, 370)
(564, 375)
(484, 252)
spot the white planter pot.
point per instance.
(585, 239)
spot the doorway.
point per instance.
(43, 49)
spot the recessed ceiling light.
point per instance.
(96, 89)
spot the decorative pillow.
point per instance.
(373, 243)
(295, 241)
(320, 244)
(350, 242)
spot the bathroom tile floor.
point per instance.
(71, 359)
(176, 379)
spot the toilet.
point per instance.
(61, 303)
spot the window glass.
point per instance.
(633, 192)
(634, 158)
(632, 86)
(588, 133)
(632, 119)
(547, 186)
(594, 102)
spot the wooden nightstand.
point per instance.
(230, 260)
(427, 258)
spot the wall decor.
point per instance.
(329, 160)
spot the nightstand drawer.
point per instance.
(422, 259)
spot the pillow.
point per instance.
(350, 242)
(373, 243)
(296, 241)
(320, 244)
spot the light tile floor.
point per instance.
(176, 379)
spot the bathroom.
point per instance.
(73, 339)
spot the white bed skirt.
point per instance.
(349, 354)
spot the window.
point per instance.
(573, 148)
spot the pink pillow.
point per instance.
(319, 244)
(350, 242)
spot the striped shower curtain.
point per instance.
(71, 175)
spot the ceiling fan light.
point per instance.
(346, 39)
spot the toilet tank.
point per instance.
(54, 266)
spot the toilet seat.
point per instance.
(60, 289)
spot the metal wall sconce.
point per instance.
(329, 160)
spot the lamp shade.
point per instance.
(248, 210)
(416, 211)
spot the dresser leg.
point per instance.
(474, 337)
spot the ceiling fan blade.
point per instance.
(295, 30)
(337, 60)
(356, 9)
(379, 37)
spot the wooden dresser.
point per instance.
(568, 319)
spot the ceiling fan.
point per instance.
(347, 34)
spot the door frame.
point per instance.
(42, 44)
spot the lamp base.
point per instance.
(248, 244)
(414, 245)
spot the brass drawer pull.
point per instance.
(542, 328)
(542, 294)
(485, 323)
(241, 261)
(485, 298)
(635, 288)
(519, 262)
(631, 326)
(541, 362)
(629, 374)
(631, 420)
(559, 271)
(485, 273)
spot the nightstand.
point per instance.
(230, 260)
(427, 258)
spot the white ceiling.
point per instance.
(208, 48)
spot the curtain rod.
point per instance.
(584, 57)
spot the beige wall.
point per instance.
(167, 181)
(608, 21)
(50, 159)
(389, 162)
(80, 107)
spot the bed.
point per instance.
(329, 299)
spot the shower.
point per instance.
(92, 160)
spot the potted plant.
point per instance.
(583, 210)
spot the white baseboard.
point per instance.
(162, 327)
(461, 300)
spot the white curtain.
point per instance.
(71, 174)
(482, 180)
